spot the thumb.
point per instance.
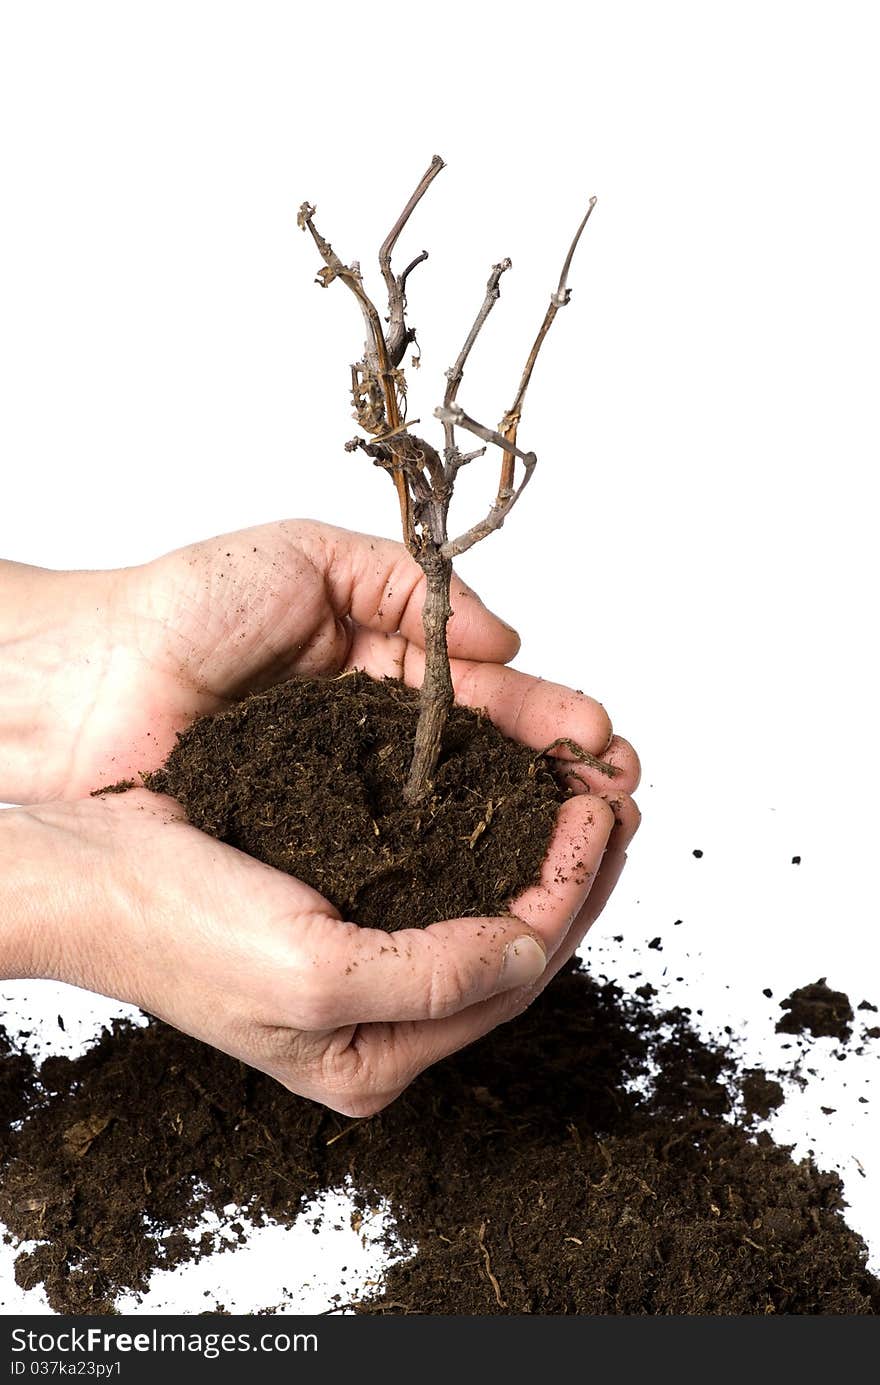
(354, 975)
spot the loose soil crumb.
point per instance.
(308, 777)
(761, 1094)
(817, 1010)
(593, 1157)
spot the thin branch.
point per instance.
(351, 277)
(583, 757)
(510, 423)
(455, 373)
(504, 502)
(504, 437)
(456, 416)
(391, 239)
(398, 336)
(498, 513)
(464, 457)
(563, 292)
(419, 259)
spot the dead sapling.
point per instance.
(425, 481)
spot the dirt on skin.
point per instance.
(308, 777)
(596, 1156)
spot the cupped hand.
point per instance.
(146, 908)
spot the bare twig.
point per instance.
(456, 415)
(419, 259)
(351, 276)
(505, 435)
(399, 336)
(581, 756)
(510, 422)
(455, 373)
(503, 504)
(491, 521)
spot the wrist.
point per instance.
(52, 631)
(61, 894)
(28, 896)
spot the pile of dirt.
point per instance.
(596, 1156)
(309, 776)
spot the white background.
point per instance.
(697, 546)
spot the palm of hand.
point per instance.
(185, 636)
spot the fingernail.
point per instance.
(524, 961)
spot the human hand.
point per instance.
(124, 897)
(134, 659)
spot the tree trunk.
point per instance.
(436, 695)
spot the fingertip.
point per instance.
(586, 816)
(475, 632)
(569, 868)
(627, 820)
(509, 642)
(603, 815)
(625, 760)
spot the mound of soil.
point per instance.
(308, 777)
(594, 1157)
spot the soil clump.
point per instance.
(817, 1010)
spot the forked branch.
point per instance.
(455, 374)
(399, 335)
(452, 416)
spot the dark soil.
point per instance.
(761, 1094)
(593, 1157)
(309, 777)
(817, 1010)
(17, 1084)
